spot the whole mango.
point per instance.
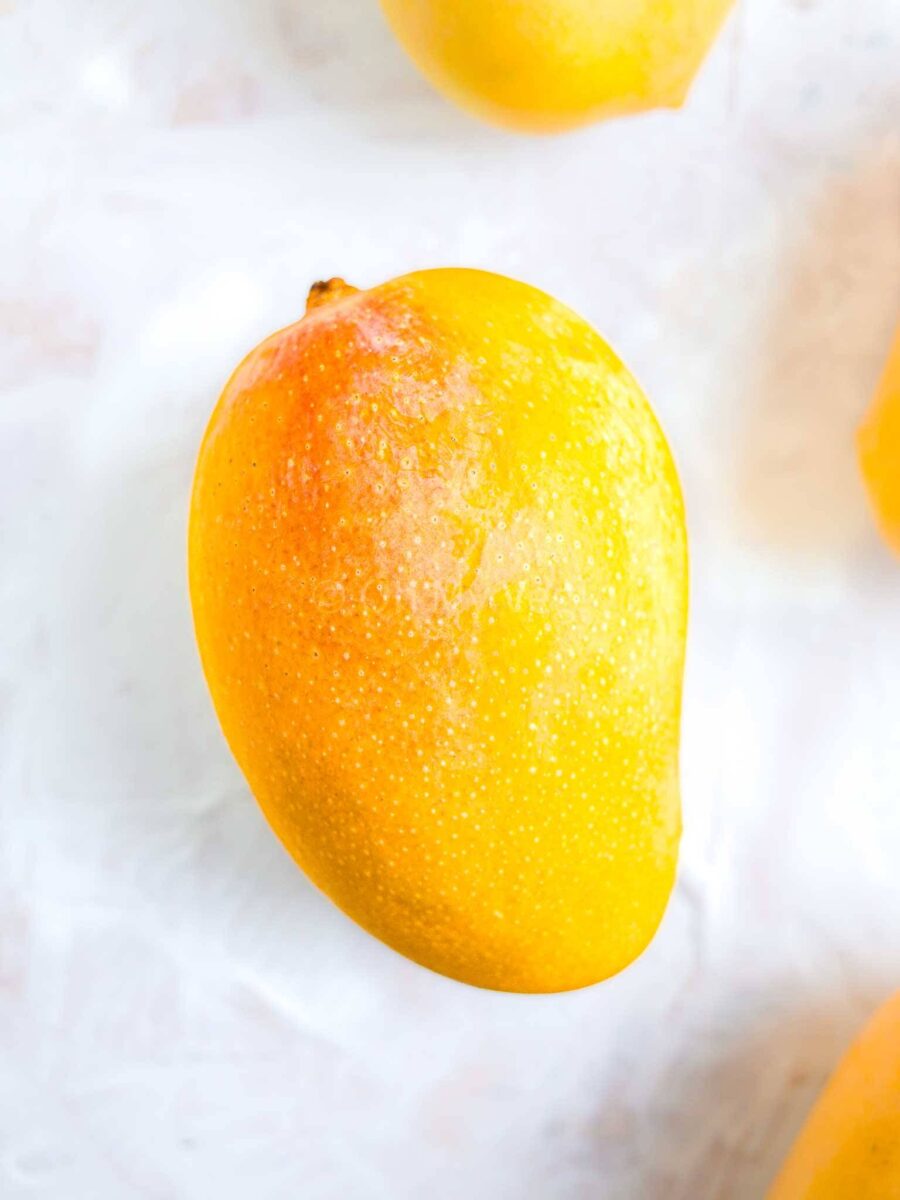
(438, 574)
(879, 450)
(849, 1148)
(544, 65)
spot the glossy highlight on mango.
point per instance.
(545, 65)
(438, 573)
(849, 1148)
(879, 450)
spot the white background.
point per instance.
(182, 1017)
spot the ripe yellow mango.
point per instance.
(543, 65)
(849, 1148)
(879, 450)
(438, 574)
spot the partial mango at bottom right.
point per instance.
(879, 450)
(849, 1148)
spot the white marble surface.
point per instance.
(181, 1015)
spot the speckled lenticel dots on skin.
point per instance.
(438, 571)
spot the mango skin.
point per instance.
(438, 574)
(849, 1148)
(545, 65)
(879, 450)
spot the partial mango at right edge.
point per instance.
(849, 1148)
(879, 450)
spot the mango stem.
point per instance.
(328, 292)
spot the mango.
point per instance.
(438, 572)
(545, 65)
(849, 1148)
(879, 450)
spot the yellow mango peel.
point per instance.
(849, 1148)
(439, 582)
(879, 450)
(546, 65)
